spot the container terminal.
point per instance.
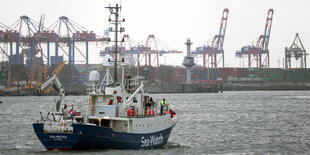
(30, 51)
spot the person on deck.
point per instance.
(162, 105)
(111, 101)
(151, 102)
(171, 113)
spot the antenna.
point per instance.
(115, 11)
(121, 2)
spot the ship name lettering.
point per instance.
(152, 141)
(58, 137)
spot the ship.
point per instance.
(117, 116)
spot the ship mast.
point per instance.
(115, 10)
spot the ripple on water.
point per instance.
(229, 123)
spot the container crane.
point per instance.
(69, 34)
(155, 46)
(216, 47)
(296, 50)
(260, 48)
(152, 46)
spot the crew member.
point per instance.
(151, 102)
(162, 105)
(129, 114)
(171, 113)
(111, 101)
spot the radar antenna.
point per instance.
(115, 11)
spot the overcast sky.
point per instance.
(173, 21)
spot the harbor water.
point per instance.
(255, 122)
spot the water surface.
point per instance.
(253, 122)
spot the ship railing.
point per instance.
(61, 126)
(150, 111)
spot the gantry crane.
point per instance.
(296, 50)
(152, 46)
(260, 48)
(156, 47)
(215, 49)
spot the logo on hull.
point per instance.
(152, 141)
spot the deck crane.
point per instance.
(261, 46)
(43, 72)
(216, 47)
(54, 81)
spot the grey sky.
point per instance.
(173, 21)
